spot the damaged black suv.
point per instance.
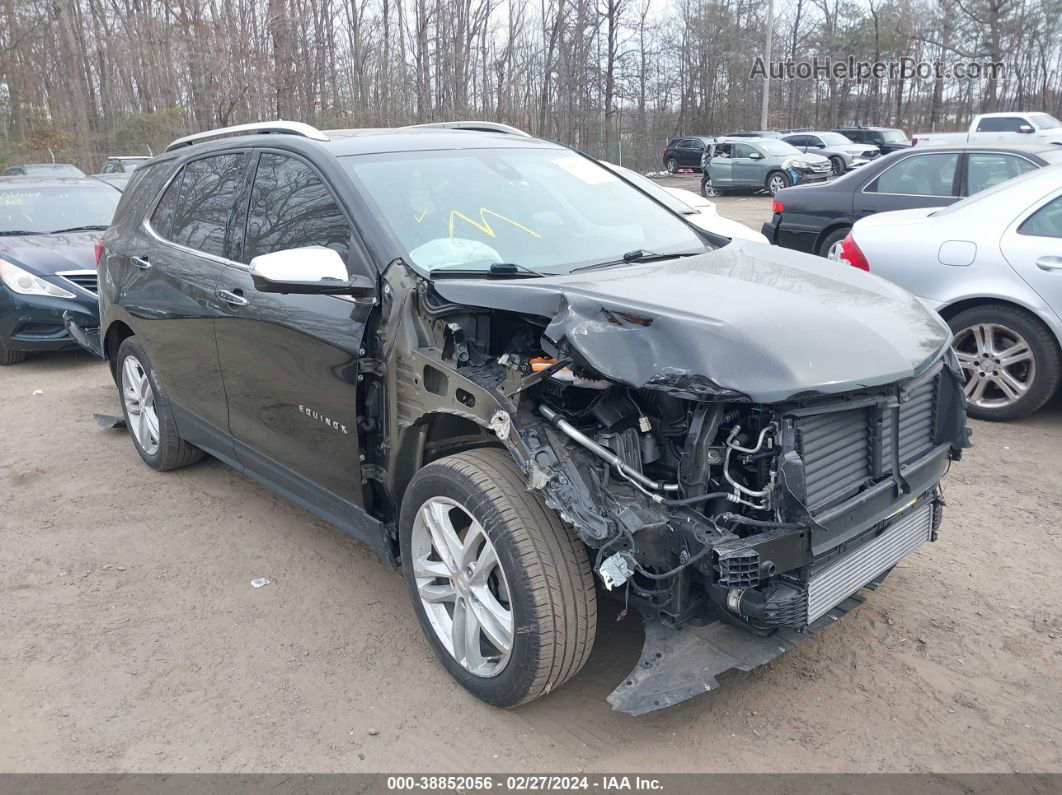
(531, 386)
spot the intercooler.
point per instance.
(848, 574)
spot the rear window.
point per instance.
(206, 203)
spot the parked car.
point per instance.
(886, 139)
(703, 215)
(992, 266)
(117, 181)
(48, 231)
(816, 220)
(123, 164)
(684, 153)
(759, 164)
(1003, 128)
(43, 170)
(844, 155)
(514, 371)
(754, 134)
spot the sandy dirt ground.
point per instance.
(132, 640)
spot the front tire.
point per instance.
(775, 181)
(11, 357)
(148, 414)
(671, 164)
(838, 165)
(1010, 360)
(708, 190)
(501, 587)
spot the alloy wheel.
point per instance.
(834, 252)
(462, 586)
(776, 183)
(707, 189)
(140, 405)
(998, 364)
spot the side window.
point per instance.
(743, 150)
(855, 136)
(1045, 222)
(722, 150)
(207, 202)
(162, 219)
(921, 175)
(1001, 124)
(985, 169)
(796, 140)
(813, 140)
(291, 208)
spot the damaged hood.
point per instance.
(746, 320)
(47, 255)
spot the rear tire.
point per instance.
(538, 578)
(148, 414)
(832, 243)
(671, 164)
(1010, 360)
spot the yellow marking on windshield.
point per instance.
(420, 217)
(484, 225)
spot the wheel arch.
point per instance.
(116, 334)
(828, 230)
(948, 311)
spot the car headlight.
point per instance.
(25, 283)
(795, 162)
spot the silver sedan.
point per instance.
(991, 265)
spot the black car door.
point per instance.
(929, 179)
(290, 362)
(168, 287)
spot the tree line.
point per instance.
(80, 79)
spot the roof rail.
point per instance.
(478, 126)
(261, 127)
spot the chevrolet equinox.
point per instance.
(530, 386)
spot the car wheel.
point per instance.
(776, 180)
(148, 415)
(707, 189)
(830, 248)
(671, 164)
(1010, 361)
(11, 357)
(501, 587)
(838, 165)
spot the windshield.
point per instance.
(893, 136)
(833, 139)
(37, 210)
(52, 170)
(548, 210)
(777, 148)
(669, 200)
(1045, 121)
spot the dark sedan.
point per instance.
(816, 218)
(48, 234)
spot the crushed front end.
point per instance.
(736, 529)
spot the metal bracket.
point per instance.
(373, 472)
(371, 366)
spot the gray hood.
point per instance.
(746, 320)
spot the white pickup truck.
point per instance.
(1001, 128)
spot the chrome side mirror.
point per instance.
(309, 270)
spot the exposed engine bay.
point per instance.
(700, 505)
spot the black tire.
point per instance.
(1046, 357)
(707, 190)
(173, 452)
(671, 164)
(770, 187)
(551, 588)
(834, 237)
(11, 357)
(838, 165)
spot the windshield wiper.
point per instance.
(6, 232)
(638, 255)
(497, 270)
(89, 228)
